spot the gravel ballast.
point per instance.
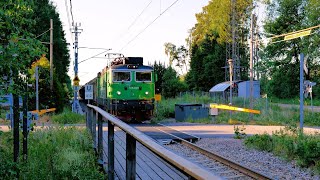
(263, 162)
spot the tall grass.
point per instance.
(53, 153)
(68, 117)
(290, 144)
(271, 114)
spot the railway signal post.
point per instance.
(75, 105)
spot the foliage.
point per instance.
(261, 142)
(291, 144)
(206, 64)
(281, 60)
(42, 62)
(54, 153)
(68, 117)
(23, 24)
(271, 114)
(179, 55)
(18, 47)
(216, 17)
(208, 41)
(7, 166)
(171, 84)
(159, 69)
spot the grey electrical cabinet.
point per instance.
(185, 111)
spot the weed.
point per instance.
(68, 117)
(261, 142)
(271, 114)
(290, 144)
(53, 153)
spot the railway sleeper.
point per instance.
(236, 176)
(217, 168)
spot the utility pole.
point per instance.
(75, 105)
(37, 88)
(251, 61)
(51, 54)
(301, 91)
(230, 61)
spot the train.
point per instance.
(125, 89)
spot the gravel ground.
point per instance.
(263, 162)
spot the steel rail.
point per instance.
(232, 164)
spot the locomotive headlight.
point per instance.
(119, 93)
(147, 92)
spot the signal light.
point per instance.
(131, 66)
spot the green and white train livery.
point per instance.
(127, 89)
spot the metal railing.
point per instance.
(94, 117)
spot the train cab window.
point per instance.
(143, 76)
(121, 76)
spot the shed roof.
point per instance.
(220, 87)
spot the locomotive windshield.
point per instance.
(121, 76)
(143, 76)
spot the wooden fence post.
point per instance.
(110, 150)
(130, 157)
(94, 125)
(100, 144)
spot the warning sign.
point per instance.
(88, 93)
(76, 81)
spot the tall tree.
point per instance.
(206, 65)
(21, 26)
(45, 11)
(159, 69)
(18, 47)
(216, 17)
(208, 39)
(179, 55)
(171, 84)
(282, 58)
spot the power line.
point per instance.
(71, 12)
(68, 16)
(66, 4)
(149, 25)
(139, 15)
(94, 56)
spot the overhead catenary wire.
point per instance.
(149, 25)
(69, 23)
(94, 56)
(144, 9)
(71, 13)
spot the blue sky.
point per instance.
(111, 24)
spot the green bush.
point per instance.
(68, 117)
(290, 144)
(261, 142)
(53, 153)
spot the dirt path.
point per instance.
(309, 108)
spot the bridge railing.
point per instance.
(95, 117)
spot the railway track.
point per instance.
(209, 160)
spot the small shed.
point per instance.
(244, 89)
(221, 91)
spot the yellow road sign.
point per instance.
(296, 35)
(233, 108)
(76, 81)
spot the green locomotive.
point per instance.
(126, 89)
